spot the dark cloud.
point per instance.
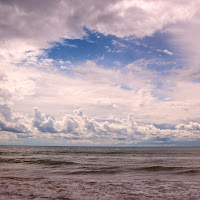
(13, 127)
(42, 122)
(12, 122)
(41, 21)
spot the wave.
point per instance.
(95, 189)
(102, 170)
(94, 153)
(84, 172)
(4, 160)
(159, 168)
(189, 171)
(176, 170)
(49, 162)
(38, 161)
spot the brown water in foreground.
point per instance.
(106, 173)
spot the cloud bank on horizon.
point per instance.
(114, 72)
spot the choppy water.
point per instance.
(107, 173)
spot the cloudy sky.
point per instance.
(109, 72)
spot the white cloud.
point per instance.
(192, 126)
(64, 67)
(89, 86)
(185, 36)
(115, 42)
(18, 82)
(78, 127)
(167, 52)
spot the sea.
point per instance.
(99, 173)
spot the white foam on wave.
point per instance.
(18, 188)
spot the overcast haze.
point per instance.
(107, 72)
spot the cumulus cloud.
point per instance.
(42, 122)
(13, 122)
(78, 127)
(192, 126)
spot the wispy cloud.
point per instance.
(165, 51)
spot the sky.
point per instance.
(110, 72)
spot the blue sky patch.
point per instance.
(111, 51)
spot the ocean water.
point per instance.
(107, 173)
